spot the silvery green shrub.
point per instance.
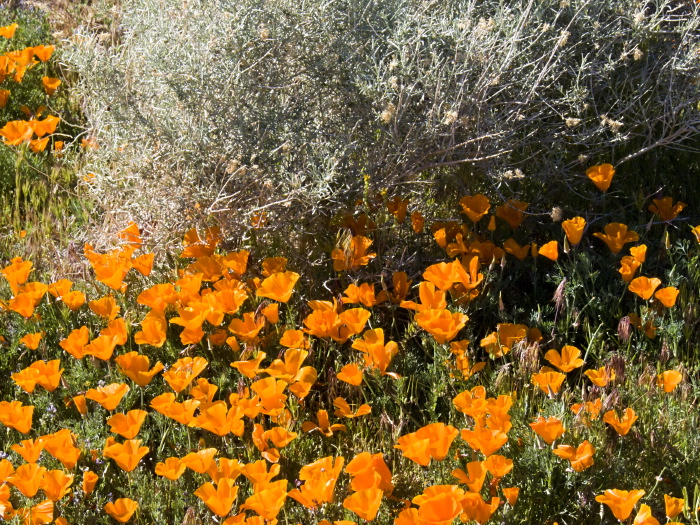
(285, 105)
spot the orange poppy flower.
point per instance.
(247, 328)
(439, 438)
(342, 409)
(477, 509)
(290, 369)
(23, 304)
(512, 212)
(475, 207)
(354, 255)
(323, 426)
(50, 84)
(26, 379)
(74, 300)
(443, 325)
(279, 436)
(463, 364)
(143, 263)
(601, 175)
(199, 461)
(644, 516)
(89, 481)
(501, 342)
(258, 474)
(364, 503)
(474, 477)
(369, 471)
(127, 425)
(8, 31)
(278, 286)
(268, 499)
(127, 455)
(80, 404)
(108, 396)
(673, 506)
(219, 499)
(153, 330)
(492, 224)
(220, 419)
(29, 449)
(131, 234)
(44, 127)
(400, 284)
(60, 288)
(621, 425)
(17, 273)
(669, 380)
(27, 479)
(616, 236)
(4, 97)
(6, 469)
(439, 504)
(600, 377)
(31, 341)
(363, 294)
(628, 267)
(203, 391)
(271, 313)
(573, 228)
(644, 287)
(498, 465)
(351, 374)
(250, 368)
(472, 402)
(620, 502)
(511, 495)
(319, 480)
(15, 132)
(639, 253)
(667, 296)
(15, 415)
(48, 374)
(227, 468)
(485, 440)
(696, 231)
(62, 446)
(513, 248)
(184, 371)
(135, 367)
(665, 208)
(442, 275)
(122, 509)
(376, 353)
(39, 514)
(417, 222)
(398, 208)
(327, 323)
(158, 296)
(56, 484)
(581, 457)
(550, 250)
(567, 361)
(116, 328)
(197, 247)
(548, 380)
(102, 347)
(548, 429)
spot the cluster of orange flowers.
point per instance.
(14, 64)
(206, 300)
